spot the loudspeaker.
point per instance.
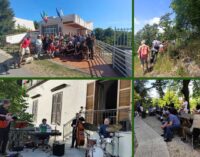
(58, 149)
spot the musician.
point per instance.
(74, 125)
(5, 119)
(103, 133)
(43, 128)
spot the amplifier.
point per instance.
(58, 149)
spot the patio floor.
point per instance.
(96, 68)
(69, 152)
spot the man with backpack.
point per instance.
(143, 55)
(154, 51)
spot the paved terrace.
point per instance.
(96, 68)
(68, 152)
(150, 143)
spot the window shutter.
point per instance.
(124, 99)
(90, 99)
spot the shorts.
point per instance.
(25, 51)
(143, 61)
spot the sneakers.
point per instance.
(167, 140)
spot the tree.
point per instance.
(10, 89)
(160, 85)
(36, 24)
(186, 92)
(6, 17)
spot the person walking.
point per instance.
(143, 55)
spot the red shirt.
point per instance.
(51, 48)
(26, 43)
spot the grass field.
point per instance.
(165, 67)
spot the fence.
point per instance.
(123, 38)
(96, 117)
(121, 60)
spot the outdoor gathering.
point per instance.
(166, 38)
(38, 118)
(166, 118)
(64, 39)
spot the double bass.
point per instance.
(80, 137)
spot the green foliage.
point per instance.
(36, 24)
(6, 17)
(169, 98)
(10, 89)
(108, 35)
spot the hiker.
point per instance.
(154, 51)
(143, 55)
(90, 43)
(169, 126)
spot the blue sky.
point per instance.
(149, 11)
(104, 13)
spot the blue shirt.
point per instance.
(174, 119)
(103, 132)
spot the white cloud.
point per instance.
(155, 20)
(136, 21)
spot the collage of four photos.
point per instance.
(117, 78)
(66, 78)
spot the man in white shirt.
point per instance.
(38, 46)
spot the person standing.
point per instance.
(5, 119)
(74, 126)
(38, 46)
(90, 43)
(25, 48)
(143, 55)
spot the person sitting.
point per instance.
(51, 50)
(169, 126)
(192, 129)
(79, 51)
(44, 127)
(70, 48)
(103, 133)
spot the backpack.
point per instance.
(143, 51)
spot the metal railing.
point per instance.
(121, 60)
(67, 129)
(123, 38)
(96, 117)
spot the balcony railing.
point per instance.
(121, 60)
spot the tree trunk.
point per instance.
(186, 92)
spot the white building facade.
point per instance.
(70, 24)
(23, 23)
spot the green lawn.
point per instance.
(46, 68)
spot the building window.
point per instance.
(53, 29)
(35, 110)
(56, 108)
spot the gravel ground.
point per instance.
(176, 148)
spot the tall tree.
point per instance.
(186, 92)
(160, 85)
(6, 17)
(10, 89)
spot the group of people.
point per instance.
(81, 46)
(147, 56)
